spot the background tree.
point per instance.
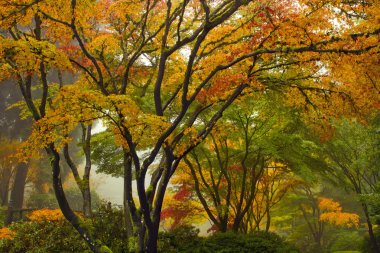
(352, 157)
(234, 171)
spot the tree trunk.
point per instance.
(86, 194)
(151, 244)
(141, 238)
(4, 186)
(64, 205)
(86, 191)
(268, 222)
(319, 242)
(18, 189)
(127, 215)
(237, 221)
(372, 237)
(127, 195)
(170, 167)
(223, 225)
(223, 228)
(17, 195)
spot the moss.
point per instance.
(149, 190)
(83, 184)
(132, 244)
(105, 249)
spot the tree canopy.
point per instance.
(161, 74)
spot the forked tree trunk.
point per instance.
(148, 235)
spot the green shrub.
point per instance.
(43, 236)
(178, 239)
(186, 240)
(347, 241)
(257, 242)
(109, 228)
(50, 232)
(59, 236)
(345, 251)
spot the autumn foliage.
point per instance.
(160, 75)
(332, 213)
(46, 215)
(6, 233)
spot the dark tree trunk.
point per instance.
(127, 216)
(236, 224)
(170, 167)
(372, 237)
(151, 244)
(86, 194)
(141, 247)
(86, 191)
(4, 186)
(17, 195)
(64, 205)
(268, 221)
(127, 194)
(223, 226)
(18, 189)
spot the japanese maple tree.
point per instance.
(151, 69)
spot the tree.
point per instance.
(13, 130)
(151, 69)
(181, 207)
(237, 175)
(272, 188)
(352, 158)
(7, 168)
(319, 212)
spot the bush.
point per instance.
(108, 226)
(185, 239)
(347, 241)
(48, 231)
(257, 242)
(178, 239)
(43, 236)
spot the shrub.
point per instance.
(6, 233)
(108, 226)
(347, 241)
(257, 242)
(186, 240)
(43, 236)
(48, 231)
(179, 239)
